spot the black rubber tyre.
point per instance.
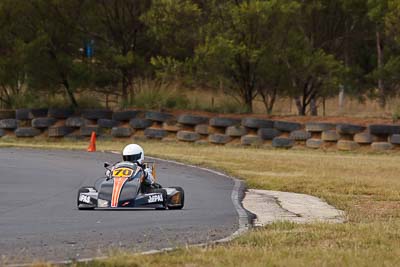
(187, 136)
(364, 138)
(287, 126)
(202, 129)
(219, 138)
(256, 123)
(192, 119)
(83, 190)
(300, 135)
(381, 146)
(158, 116)
(165, 198)
(8, 124)
(172, 126)
(248, 140)
(268, 133)
(87, 130)
(59, 131)
(121, 132)
(23, 114)
(107, 123)
(95, 114)
(39, 112)
(319, 126)
(346, 128)
(382, 129)
(43, 122)
(155, 133)
(7, 114)
(60, 113)
(395, 139)
(180, 189)
(125, 115)
(282, 142)
(314, 143)
(140, 123)
(224, 122)
(330, 136)
(27, 132)
(346, 145)
(236, 131)
(76, 122)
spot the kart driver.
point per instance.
(135, 154)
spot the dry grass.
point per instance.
(366, 186)
(285, 106)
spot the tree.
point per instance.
(174, 25)
(122, 47)
(392, 20)
(311, 58)
(237, 44)
(376, 13)
(313, 74)
(12, 64)
(389, 68)
(52, 53)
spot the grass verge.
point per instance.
(365, 186)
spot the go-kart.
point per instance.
(124, 187)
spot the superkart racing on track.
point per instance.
(124, 187)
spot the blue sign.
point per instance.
(89, 49)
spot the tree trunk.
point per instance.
(247, 96)
(381, 97)
(124, 86)
(300, 107)
(248, 101)
(268, 99)
(70, 94)
(313, 107)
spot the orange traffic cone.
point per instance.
(92, 145)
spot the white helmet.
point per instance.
(133, 153)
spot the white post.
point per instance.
(341, 98)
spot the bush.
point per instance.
(153, 94)
(227, 105)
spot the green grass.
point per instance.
(365, 186)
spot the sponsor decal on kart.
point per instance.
(85, 199)
(156, 198)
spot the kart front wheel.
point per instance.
(181, 197)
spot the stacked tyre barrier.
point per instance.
(138, 125)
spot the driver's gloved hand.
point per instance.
(108, 174)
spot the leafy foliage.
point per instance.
(265, 49)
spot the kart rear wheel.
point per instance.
(83, 206)
(178, 207)
(164, 194)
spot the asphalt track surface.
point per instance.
(39, 219)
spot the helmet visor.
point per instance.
(132, 158)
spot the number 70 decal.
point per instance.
(122, 172)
